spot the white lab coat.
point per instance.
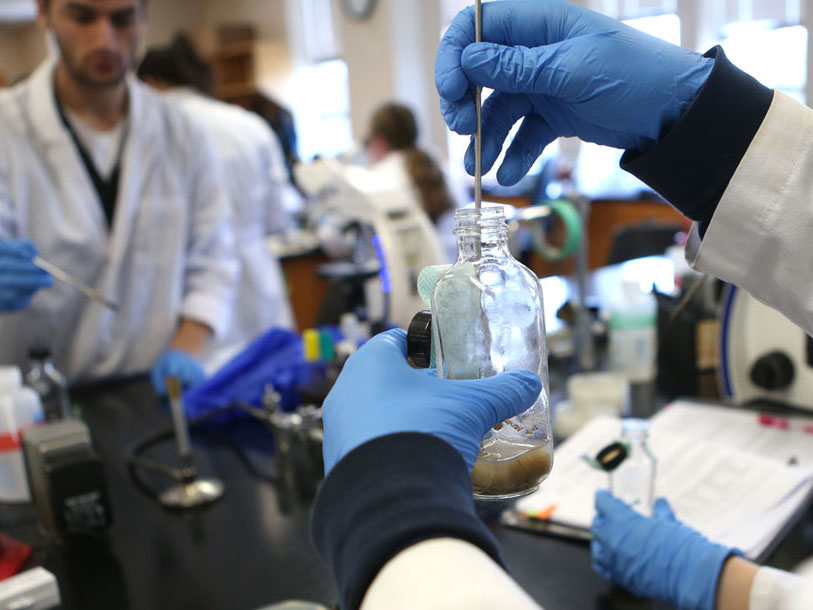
(759, 239)
(257, 181)
(170, 251)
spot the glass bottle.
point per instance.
(633, 481)
(49, 383)
(487, 317)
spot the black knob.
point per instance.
(419, 339)
(773, 371)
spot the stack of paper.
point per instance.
(727, 473)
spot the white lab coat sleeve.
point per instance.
(211, 266)
(7, 218)
(759, 235)
(445, 574)
(779, 590)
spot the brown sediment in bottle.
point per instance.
(514, 475)
(515, 426)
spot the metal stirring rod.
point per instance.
(67, 278)
(478, 99)
(175, 395)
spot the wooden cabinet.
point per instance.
(231, 50)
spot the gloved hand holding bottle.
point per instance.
(176, 363)
(657, 557)
(378, 393)
(20, 278)
(565, 70)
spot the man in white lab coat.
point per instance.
(257, 182)
(107, 180)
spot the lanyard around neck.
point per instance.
(107, 189)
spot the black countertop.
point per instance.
(244, 551)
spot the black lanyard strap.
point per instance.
(107, 189)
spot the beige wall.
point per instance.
(166, 17)
(267, 15)
(367, 48)
(391, 56)
(22, 47)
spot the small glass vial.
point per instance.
(49, 383)
(633, 481)
(487, 317)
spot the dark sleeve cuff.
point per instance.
(386, 495)
(693, 163)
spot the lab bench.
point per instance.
(244, 552)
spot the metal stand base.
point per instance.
(194, 493)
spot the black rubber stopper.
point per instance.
(773, 371)
(419, 339)
(611, 456)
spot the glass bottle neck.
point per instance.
(635, 431)
(476, 246)
(481, 233)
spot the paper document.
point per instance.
(724, 473)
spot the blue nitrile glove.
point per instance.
(657, 557)
(378, 393)
(19, 277)
(567, 71)
(176, 363)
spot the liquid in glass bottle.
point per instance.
(488, 317)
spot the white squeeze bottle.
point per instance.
(633, 344)
(20, 408)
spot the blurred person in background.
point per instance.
(111, 182)
(257, 182)
(391, 146)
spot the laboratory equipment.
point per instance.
(66, 478)
(633, 480)
(49, 384)
(298, 447)
(763, 354)
(67, 278)
(572, 214)
(20, 409)
(487, 317)
(191, 491)
(368, 217)
(633, 343)
(351, 329)
(34, 589)
(310, 345)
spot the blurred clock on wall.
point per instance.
(358, 9)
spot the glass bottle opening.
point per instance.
(635, 429)
(473, 222)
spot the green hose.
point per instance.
(574, 231)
